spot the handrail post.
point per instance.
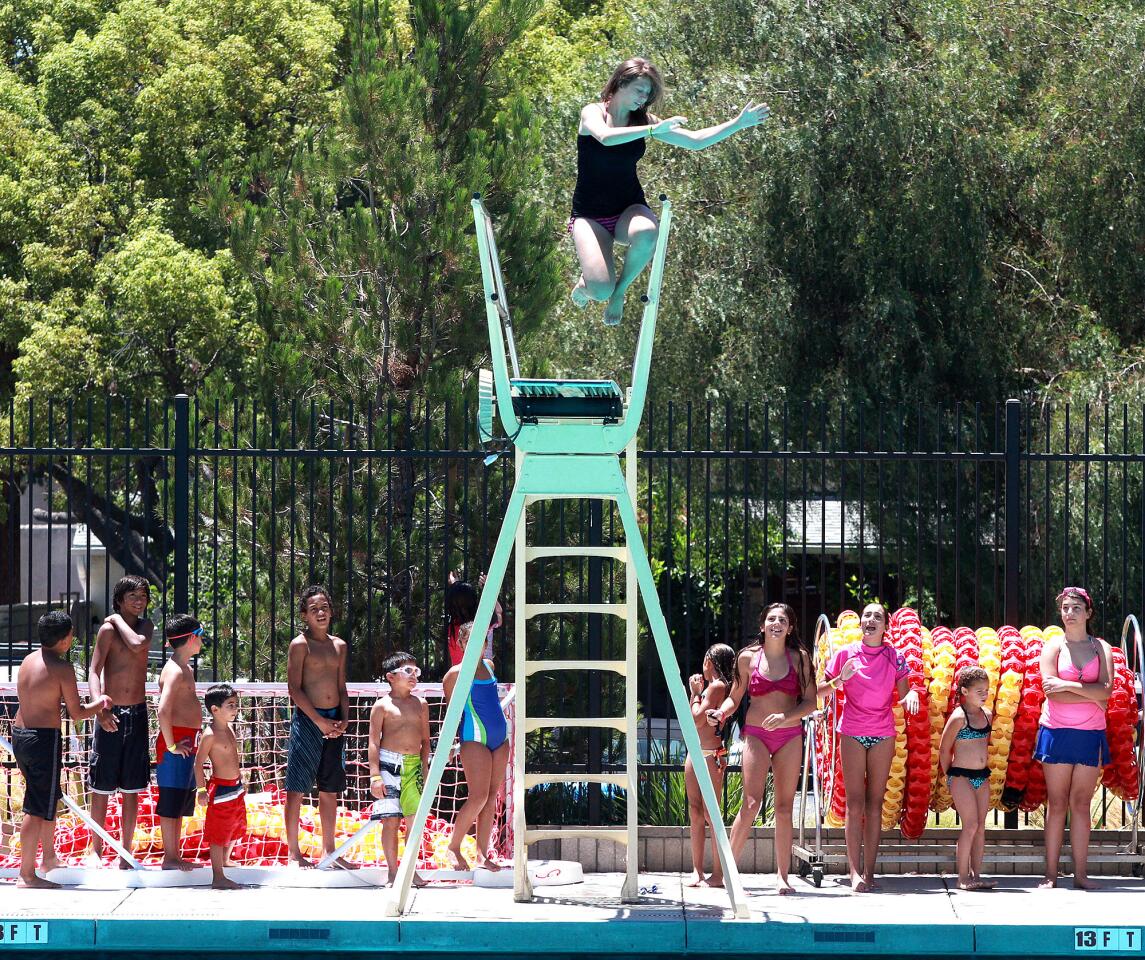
(1013, 534)
(182, 511)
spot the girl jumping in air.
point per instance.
(962, 754)
(608, 205)
(871, 673)
(708, 691)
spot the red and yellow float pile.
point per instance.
(1011, 659)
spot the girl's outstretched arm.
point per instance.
(750, 116)
(592, 123)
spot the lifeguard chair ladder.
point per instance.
(568, 435)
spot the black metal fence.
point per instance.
(974, 514)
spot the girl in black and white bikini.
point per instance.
(608, 204)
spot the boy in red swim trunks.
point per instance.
(180, 720)
(224, 796)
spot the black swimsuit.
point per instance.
(606, 180)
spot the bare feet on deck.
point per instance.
(858, 884)
(459, 861)
(614, 309)
(178, 864)
(695, 879)
(783, 886)
(124, 865)
(346, 864)
(48, 864)
(299, 861)
(225, 883)
(486, 862)
(1048, 883)
(36, 883)
(985, 884)
(1083, 883)
(579, 295)
(872, 883)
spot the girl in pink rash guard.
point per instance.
(873, 674)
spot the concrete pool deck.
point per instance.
(911, 916)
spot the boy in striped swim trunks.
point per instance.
(398, 752)
(316, 680)
(223, 796)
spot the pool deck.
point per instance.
(910, 916)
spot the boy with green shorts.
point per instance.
(399, 751)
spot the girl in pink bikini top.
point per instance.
(758, 684)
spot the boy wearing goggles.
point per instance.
(398, 752)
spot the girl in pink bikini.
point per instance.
(777, 674)
(872, 674)
(1077, 677)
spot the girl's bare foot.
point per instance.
(36, 883)
(50, 863)
(419, 880)
(858, 884)
(298, 860)
(614, 310)
(783, 886)
(225, 883)
(346, 864)
(695, 879)
(969, 885)
(459, 861)
(486, 862)
(1083, 883)
(1048, 883)
(984, 884)
(579, 295)
(872, 883)
(715, 880)
(178, 864)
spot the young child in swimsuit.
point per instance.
(484, 753)
(398, 752)
(461, 601)
(708, 691)
(962, 754)
(316, 680)
(777, 676)
(46, 679)
(223, 795)
(120, 744)
(872, 674)
(180, 721)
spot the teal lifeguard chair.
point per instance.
(568, 437)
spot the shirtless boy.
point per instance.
(180, 721)
(224, 796)
(399, 752)
(316, 680)
(45, 680)
(120, 755)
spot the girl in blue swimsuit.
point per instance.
(608, 205)
(962, 754)
(484, 754)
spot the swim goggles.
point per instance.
(408, 670)
(194, 633)
(1078, 592)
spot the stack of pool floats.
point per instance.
(1011, 659)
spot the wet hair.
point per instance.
(53, 626)
(312, 591)
(399, 658)
(179, 628)
(723, 660)
(218, 694)
(461, 602)
(969, 676)
(792, 642)
(882, 606)
(125, 585)
(631, 70)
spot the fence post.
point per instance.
(1013, 534)
(182, 511)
